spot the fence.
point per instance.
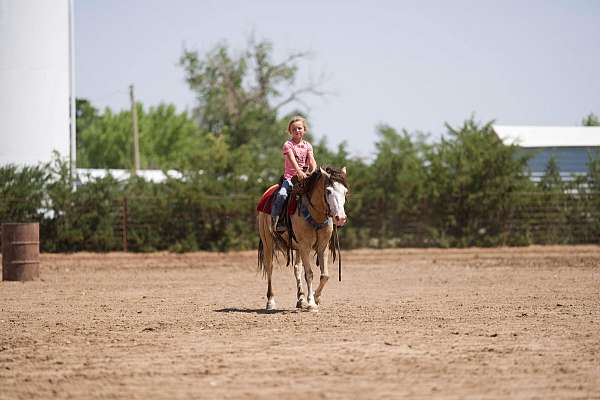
(148, 223)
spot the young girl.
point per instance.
(298, 160)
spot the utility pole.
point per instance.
(72, 98)
(136, 135)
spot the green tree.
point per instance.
(240, 103)
(474, 185)
(594, 194)
(551, 181)
(106, 142)
(22, 192)
(590, 120)
(87, 115)
(240, 96)
(593, 175)
(552, 209)
(395, 187)
(168, 140)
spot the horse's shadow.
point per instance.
(253, 311)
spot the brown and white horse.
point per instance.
(320, 205)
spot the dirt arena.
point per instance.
(477, 323)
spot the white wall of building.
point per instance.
(35, 80)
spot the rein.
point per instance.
(337, 247)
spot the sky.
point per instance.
(413, 65)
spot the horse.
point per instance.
(322, 196)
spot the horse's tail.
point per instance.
(261, 254)
(263, 236)
(267, 244)
(270, 244)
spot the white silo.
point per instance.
(36, 81)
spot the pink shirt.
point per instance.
(300, 151)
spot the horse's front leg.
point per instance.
(298, 270)
(308, 276)
(323, 257)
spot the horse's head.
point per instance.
(336, 188)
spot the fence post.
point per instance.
(124, 223)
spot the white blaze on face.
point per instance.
(336, 198)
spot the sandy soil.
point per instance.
(448, 324)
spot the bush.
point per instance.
(472, 192)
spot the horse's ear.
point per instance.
(344, 171)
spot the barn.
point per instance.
(571, 147)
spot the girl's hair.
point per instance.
(297, 118)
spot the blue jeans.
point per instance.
(282, 194)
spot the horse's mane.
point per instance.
(306, 186)
(337, 175)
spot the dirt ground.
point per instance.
(447, 324)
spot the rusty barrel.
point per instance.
(20, 251)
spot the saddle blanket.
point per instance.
(266, 201)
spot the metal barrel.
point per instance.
(20, 251)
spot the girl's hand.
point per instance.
(301, 175)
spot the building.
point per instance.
(37, 102)
(571, 147)
(150, 175)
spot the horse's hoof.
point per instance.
(270, 305)
(312, 308)
(302, 304)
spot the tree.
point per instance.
(240, 104)
(593, 191)
(168, 140)
(241, 96)
(396, 182)
(21, 192)
(86, 115)
(551, 180)
(590, 120)
(474, 182)
(553, 208)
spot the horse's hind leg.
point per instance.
(267, 258)
(270, 294)
(298, 269)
